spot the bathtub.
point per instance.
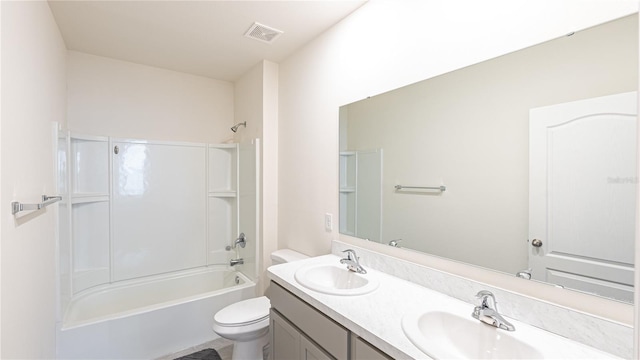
(148, 318)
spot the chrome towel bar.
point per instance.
(16, 206)
(441, 187)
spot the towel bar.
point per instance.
(16, 206)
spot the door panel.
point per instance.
(582, 194)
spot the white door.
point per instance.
(582, 186)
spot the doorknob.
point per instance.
(536, 243)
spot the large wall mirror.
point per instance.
(524, 164)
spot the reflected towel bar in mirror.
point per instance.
(441, 187)
(16, 206)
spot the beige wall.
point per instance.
(248, 96)
(468, 129)
(33, 96)
(116, 98)
(382, 46)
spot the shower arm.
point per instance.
(235, 127)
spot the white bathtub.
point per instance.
(148, 318)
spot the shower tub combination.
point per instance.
(150, 318)
(143, 233)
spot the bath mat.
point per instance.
(206, 354)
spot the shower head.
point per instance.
(235, 127)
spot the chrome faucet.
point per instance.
(352, 262)
(487, 311)
(395, 243)
(234, 262)
(524, 274)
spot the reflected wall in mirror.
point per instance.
(469, 131)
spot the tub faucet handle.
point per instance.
(241, 240)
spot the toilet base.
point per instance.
(250, 350)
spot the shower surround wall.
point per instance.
(137, 208)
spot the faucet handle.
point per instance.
(483, 296)
(351, 254)
(484, 293)
(241, 240)
(353, 262)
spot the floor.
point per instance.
(224, 348)
(206, 354)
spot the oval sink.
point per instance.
(444, 335)
(335, 280)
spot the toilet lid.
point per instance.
(244, 312)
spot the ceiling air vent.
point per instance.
(262, 33)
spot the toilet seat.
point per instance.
(244, 313)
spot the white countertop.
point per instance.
(377, 316)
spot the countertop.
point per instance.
(376, 317)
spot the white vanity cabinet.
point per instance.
(299, 331)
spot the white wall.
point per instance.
(384, 45)
(269, 165)
(33, 96)
(636, 314)
(122, 99)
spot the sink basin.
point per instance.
(335, 280)
(445, 335)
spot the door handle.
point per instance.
(536, 243)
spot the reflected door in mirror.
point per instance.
(582, 194)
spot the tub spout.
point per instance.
(234, 262)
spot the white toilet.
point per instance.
(247, 322)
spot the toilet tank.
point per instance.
(286, 255)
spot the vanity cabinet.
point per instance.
(362, 350)
(299, 331)
(287, 342)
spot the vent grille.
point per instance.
(262, 33)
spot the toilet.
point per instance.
(247, 322)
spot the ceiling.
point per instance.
(203, 38)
